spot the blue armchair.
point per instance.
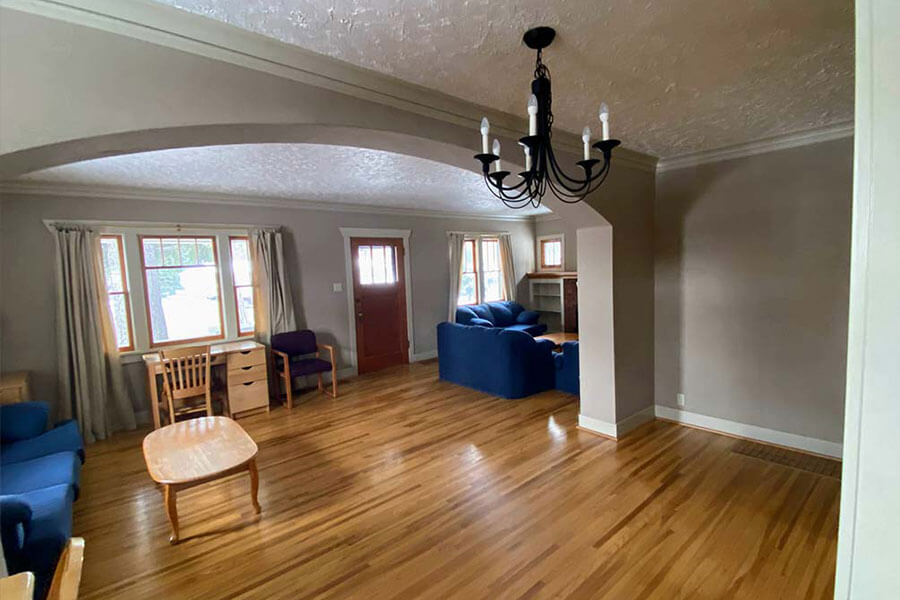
(567, 368)
(39, 481)
(504, 315)
(504, 362)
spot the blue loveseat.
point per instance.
(503, 315)
(567, 368)
(503, 362)
(39, 481)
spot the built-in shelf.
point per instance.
(549, 295)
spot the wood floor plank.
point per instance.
(409, 487)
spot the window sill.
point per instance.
(136, 356)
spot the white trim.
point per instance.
(547, 217)
(349, 232)
(780, 142)
(752, 432)
(174, 28)
(597, 426)
(152, 195)
(420, 356)
(629, 424)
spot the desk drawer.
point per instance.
(248, 396)
(236, 360)
(248, 373)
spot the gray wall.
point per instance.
(751, 288)
(314, 253)
(554, 226)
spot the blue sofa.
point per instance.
(567, 368)
(503, 362)
(39, 481)
(503, 315)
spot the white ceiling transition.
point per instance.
(310, 172)
(679, 76)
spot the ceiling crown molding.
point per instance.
(64, 190)
(781, 142)
(174, 28)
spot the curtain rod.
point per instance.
(480, 232)
(50, 223)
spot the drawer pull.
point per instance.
(246, 351)
(249, 383)
(247, 367)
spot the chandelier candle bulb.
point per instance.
(496, 150)
(532, 115)
(604, 119)
(527, 158)
(485, 130)
(586, 138)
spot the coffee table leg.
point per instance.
(254, 484)
(172, 512)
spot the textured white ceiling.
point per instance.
(312, 172)
(679, 76)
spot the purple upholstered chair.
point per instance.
(291, 358)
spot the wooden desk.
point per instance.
(195, 451)
(247, 376)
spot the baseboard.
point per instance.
(750, 432)
(424, 356)
(597, 426)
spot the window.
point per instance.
(377, 264)
(242, 278)
(550, 252)
(181, 287)
(481, 272)
(468, 280)
(113, 259)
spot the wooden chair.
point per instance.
(186, 379)
(67, 576)
(291, 358)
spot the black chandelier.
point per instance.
(542, 171)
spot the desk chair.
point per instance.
(290, 358)
(186, 381)
(67, 577)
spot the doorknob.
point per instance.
(359, 315)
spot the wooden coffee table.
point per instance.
(558, 339)
(197, 451)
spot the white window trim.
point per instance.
(479, 258)
(562, 252)
(130, 231)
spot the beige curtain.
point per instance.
(510, 281)
(456, 251)
(91, 385)
(273, 303)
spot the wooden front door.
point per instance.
(379, 292)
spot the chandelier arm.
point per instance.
(562, 176)
(505, 193)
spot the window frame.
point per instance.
(125, 293)
(235, 286)
(218, 262)
(541, 242)
(478, 265)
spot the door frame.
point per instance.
(366, 232)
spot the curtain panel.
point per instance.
(456, 251)
(91, 384)
(273, 302)
(510, 281)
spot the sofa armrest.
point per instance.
(480, 322)
(545, 346)
(23, 421)
(15, 517)
(528, 317)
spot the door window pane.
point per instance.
(377, 264)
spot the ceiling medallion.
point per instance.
(542, 172)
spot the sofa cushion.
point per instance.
(46, 532)
(533, 330)
(22, 421)
(503, 316)
(528, 317)
(62, 438)
(476, 322)
(483, 311)
(37, 473)
(464, 315)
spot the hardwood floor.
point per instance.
(407, 487)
